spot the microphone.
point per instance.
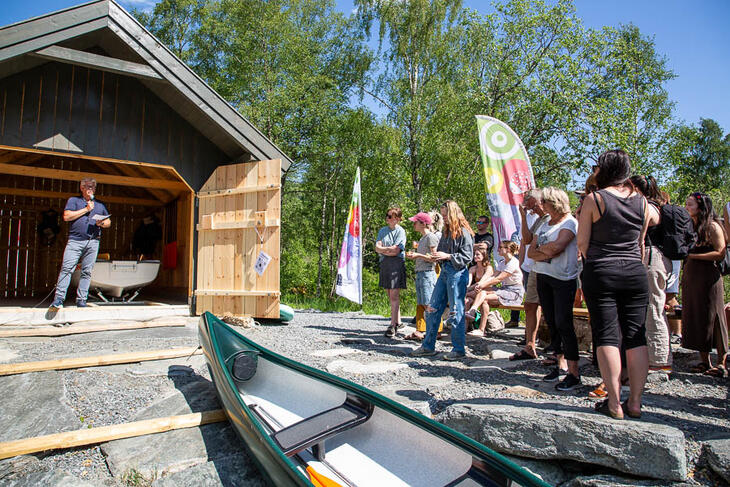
(92, 197)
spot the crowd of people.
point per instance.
(620, 252)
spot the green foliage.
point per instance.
(299, 71)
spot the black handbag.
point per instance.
(724, 265)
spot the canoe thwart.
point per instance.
(315, 429)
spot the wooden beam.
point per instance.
(71, 155)
(54, 194)
(207, 224)
(222, 292)
(52, 331)
(112, 359)
(92, 436)
(96, 61)
(42, 172)
(249, 189)
(161, 194)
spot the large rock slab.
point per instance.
(718, 457)
(27, 471)
(162, 454)
(72, 314)
(34, 405)
(236, 471)
(635, 447)
(549, 472)
(615, 481)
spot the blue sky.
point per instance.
(693, 36)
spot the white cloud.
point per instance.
(138, 4)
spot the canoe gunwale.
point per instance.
(484, 458)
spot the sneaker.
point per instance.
(554, 375)
(476, 333)
(569, 383)
(401, 325)
(675, 339)
(81, 304)
(56, 305)
(422, 352)
(512, 324)
(453, 356)
(390, 332)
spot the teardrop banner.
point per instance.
(349, 267)
(508, 175)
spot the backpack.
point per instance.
(678, 235)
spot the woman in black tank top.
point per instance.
(611, 234)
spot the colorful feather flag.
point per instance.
(508, 175)
(349, 267)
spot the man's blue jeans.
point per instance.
(77, 251)
(450, 291)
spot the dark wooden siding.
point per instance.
(105, 115)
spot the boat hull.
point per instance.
(220, 343)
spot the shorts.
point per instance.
(510, 295)
(531, 289)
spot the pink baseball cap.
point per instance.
(422, 217)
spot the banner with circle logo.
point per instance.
(508, 175)
(349, 267)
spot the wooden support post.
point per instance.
(91, 436)
(113, 359)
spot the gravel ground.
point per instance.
(698, 405)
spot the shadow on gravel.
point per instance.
(226, 452)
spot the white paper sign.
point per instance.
(262, 261)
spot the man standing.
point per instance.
(482, 234)
(87, 220)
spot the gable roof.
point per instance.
(106, 25)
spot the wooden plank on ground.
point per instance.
(92, 436)
(52, 331)
(111, 359)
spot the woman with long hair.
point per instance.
(454, 253)
(659, 268)
(390, 245)
(511, 289)
(481, 270)
(703, 317)
(613, 223)
(555, 253)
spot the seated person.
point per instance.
(510, 293)
(481, 270)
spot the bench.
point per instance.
(576, 311)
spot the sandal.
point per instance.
(718, 371)
(599, 392)
(415, 336)
(700, 368)
(476, 333)
(523, 355)
(602, 407)
(627, 412)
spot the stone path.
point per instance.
(683, 438)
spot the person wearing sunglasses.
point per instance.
(390, 245)
(703, 316)
(482, 234)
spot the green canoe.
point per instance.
(301, 424)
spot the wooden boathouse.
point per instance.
(89, 92)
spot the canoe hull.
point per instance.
(221, 343)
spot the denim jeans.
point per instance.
(450, 290)
(77, 251)
(425, 282)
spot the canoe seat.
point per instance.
(315, 429)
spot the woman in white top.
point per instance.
(510, 292)
(555, 252)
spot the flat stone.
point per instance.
(499, 354)
(335, 352)
(433, 381)
(549, 472)
(523, 391)
(170, 367)
(72, 314)
(234, 471)
(7, 355)
(34, 405)
(354, 367)
(158, 455)
(357, 341)
(635, 447)
(416, 400)
(718, 457)
(616, 481)
(46, 478)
